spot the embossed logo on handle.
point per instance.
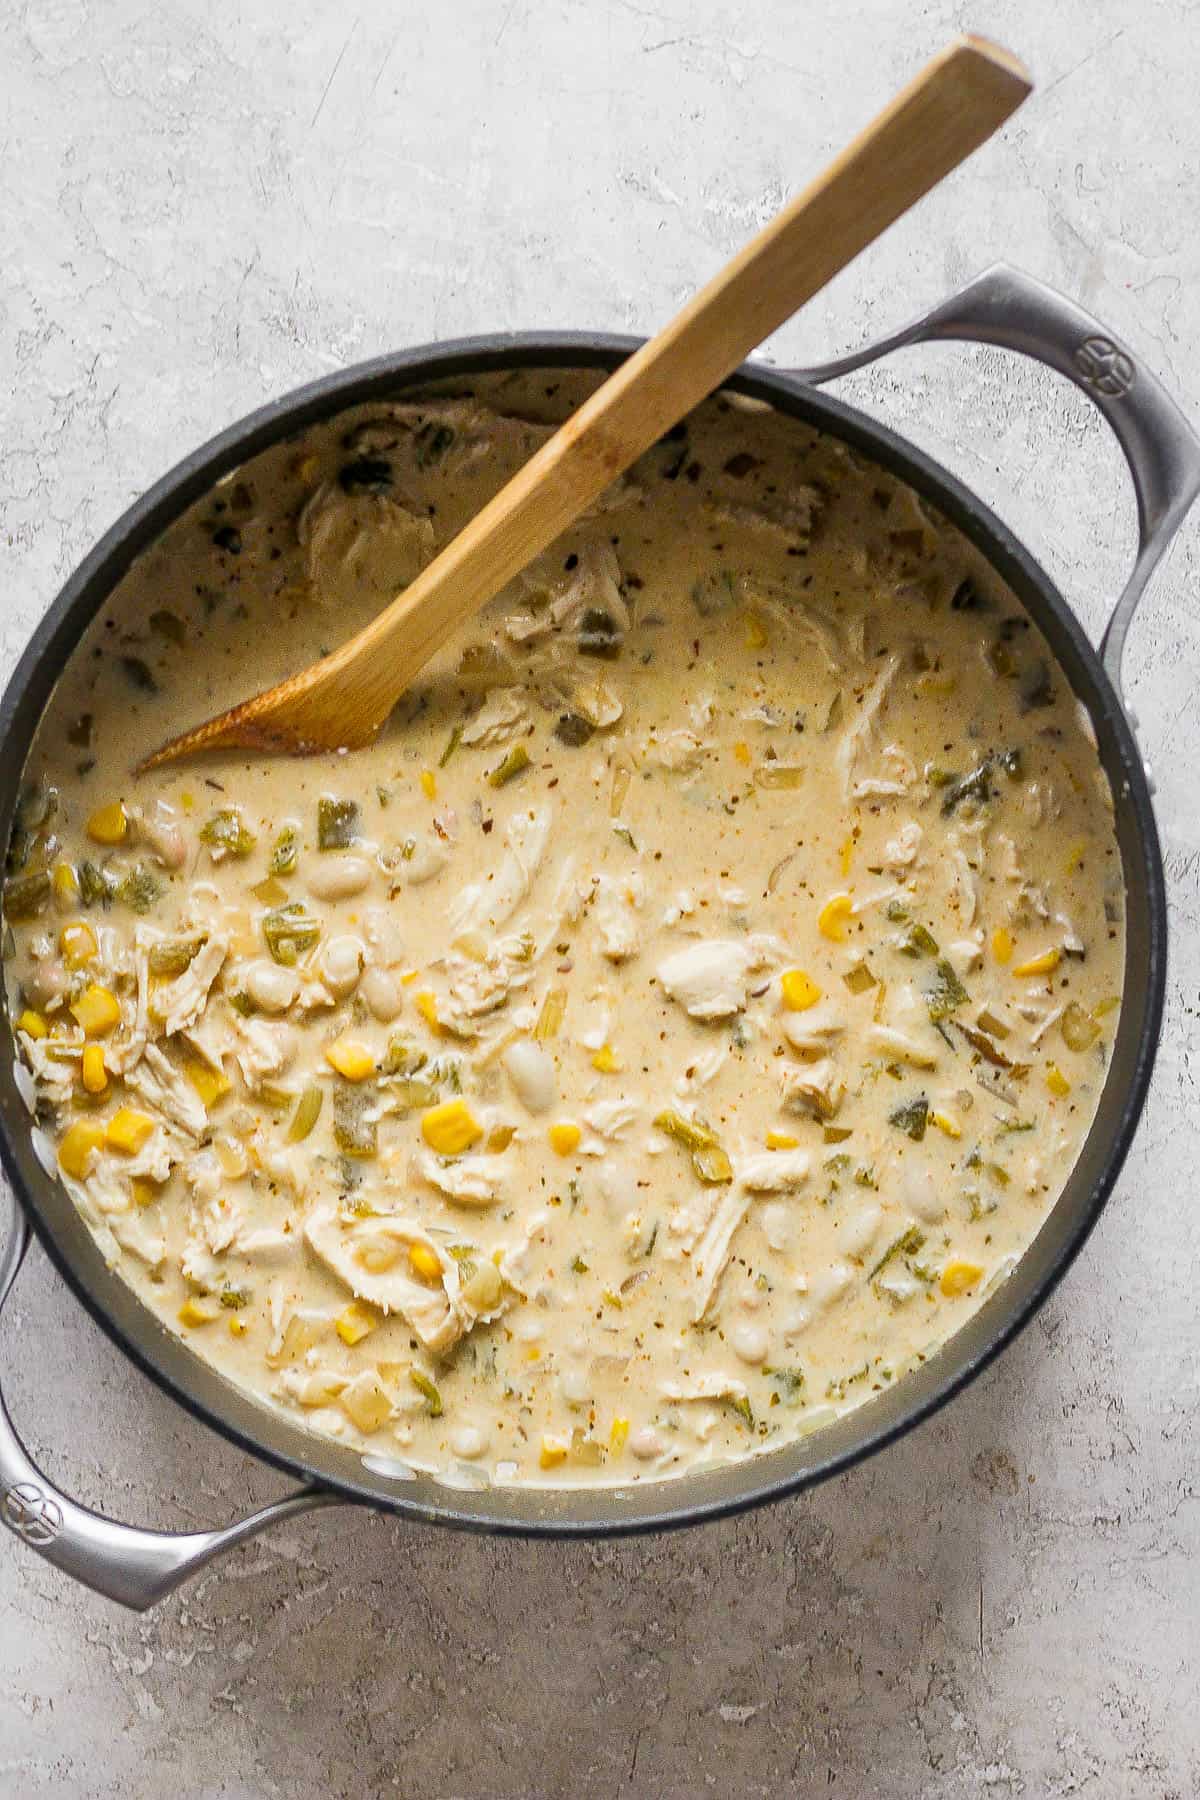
(1104, 367)
(32, 1514)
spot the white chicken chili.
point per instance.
(661, 1039)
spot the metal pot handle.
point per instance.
(1015, 312)
(134, 1567)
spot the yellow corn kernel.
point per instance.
(834, 917)
(354, 1061)
(109, 824)
(958, 1278)
(799, 990)
(426, 1265)
(128, 1130)
(65, 883)
(781, 1140)
(77, 943)
(1002, 944)
(354, 1323)
(377, 1259)
(618, 1435)
(199, 1310)
(187, 800)
(92, 1071)
(450, 1128)
(76, 1146)
(552, 1453)
(32, 1024)
(741, 751)
(533, 1353)
(846, 854)
(1075, 856)
(426, 1004)
(1044, 964)
(96, 1010)
(143, 1192)
(945, 1124)
(564, 1137)
(606, 1060)
(237, 1327)
(428, 783)
(756, 632)
(1056, 1081)
(208, 1082)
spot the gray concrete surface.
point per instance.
(206, 203)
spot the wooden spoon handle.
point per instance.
(957, 101)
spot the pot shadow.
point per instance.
(798, 1639)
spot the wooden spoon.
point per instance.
(954, 105)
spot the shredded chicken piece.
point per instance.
(774, 1171)
(708, 979)
(362, 547)
(347, 1249)
(471, 1180)
(815, 1087)
(861, 733)
(168, 1092)
(501, 716)
(179, 1003)
(618, 898)
(488, 904)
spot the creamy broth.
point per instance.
(661, 1039)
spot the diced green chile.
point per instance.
(226, 830)
(425, 1386)
(171, 956)
(917, 941)
(574, 729)
(337, 823)
(96, 885)
(976, 786)
(907, 1244)
(946, 995)
(308, 1111)
(911, 1118)
(355, 1129)
(141, 889)
(289, 931)
(285, 853)
(509, 768)
(709, 1159)
(25, 895)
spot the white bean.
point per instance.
(271, 987)
(531, 1071)
(860, 1231)
(468, 1442)
(341, 964)
(336, 877)
(778, 1225)
(646, 1444)
(381, 991)
(750, 1342)
(575, 1385)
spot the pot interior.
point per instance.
(270, 1433)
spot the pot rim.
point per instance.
(735, 1487)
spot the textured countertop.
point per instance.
(207, 204)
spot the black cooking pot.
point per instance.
(1002, 307)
